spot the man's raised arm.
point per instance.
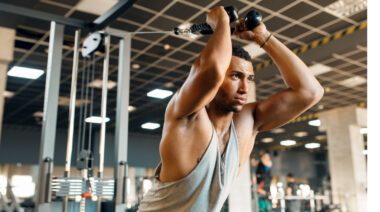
(207, 72)
(303, 90)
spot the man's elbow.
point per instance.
(314, 95)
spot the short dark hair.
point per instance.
(290, 175)
(238, 51)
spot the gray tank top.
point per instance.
(206, 187)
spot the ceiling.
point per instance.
(295, 22)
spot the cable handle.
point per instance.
(252, 19)
(206, 29)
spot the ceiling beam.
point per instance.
(111, 15)
(321, 52)
(22, 11)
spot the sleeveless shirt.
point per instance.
(206, 187)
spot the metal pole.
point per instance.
(73, 97)
(122, 119)
(53, 73)
(107, 42)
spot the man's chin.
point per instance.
(237, 108)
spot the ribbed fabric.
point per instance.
(204, 189)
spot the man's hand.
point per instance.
(217, 15)
(258, 34)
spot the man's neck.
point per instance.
(219, 118)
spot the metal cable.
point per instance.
(81, 109)
(85, 108)
(91, 102)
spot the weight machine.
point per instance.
(89, 185)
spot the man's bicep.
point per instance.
(197, 91)
(279, 109)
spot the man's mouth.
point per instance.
(241, 100)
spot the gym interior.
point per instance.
(84, 85)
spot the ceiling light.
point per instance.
(99, 84)
(96, 119)
(312, 145)
(321, 137)
(166, 46)
(363, 131)
(267, 140)
(38, 114)
(318, 69)
(288, 142)
(277, 130)
(28, 73)
(159, 93)
(347, 8)
(169, 85)
(327, 89)
(353, 81)
(131, 108)
(254, 50)
(8, 94)
(150, 126)
(97, 7)
(320, 107)
(300, 134)
(135, 66)
(365, 152)
(315, 122)
(65, 101)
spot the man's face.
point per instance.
(232, 94)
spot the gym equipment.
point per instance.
(204, 28)
(252, 20)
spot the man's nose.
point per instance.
(244, 86)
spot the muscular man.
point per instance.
(209, 130)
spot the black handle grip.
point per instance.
(252, 19)
(206, 29)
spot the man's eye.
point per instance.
(235, 76)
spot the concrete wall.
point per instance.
(21, 145)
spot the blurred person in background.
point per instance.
(291, 190)
(264, 177)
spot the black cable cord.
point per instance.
(85, 108)
(81, 110)
(91, 103)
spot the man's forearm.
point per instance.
(295, 73)
(218, 51)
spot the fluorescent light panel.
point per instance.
(96, 119)
(99, 84)
(288, 142)
(150, 126)
(8, 94)
(353, 81)
(300, 134)
(159, 93)
(315, 123)
(254, 50)
(318, 69)
(97, 7)
(347, 8)
(364, 131)
(277, 130)
(23, 72)
(267, 140)
(65, 101)
(131, 108)
(312, 145)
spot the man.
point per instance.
(264, 178)
(291, 190)
(209, 130)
